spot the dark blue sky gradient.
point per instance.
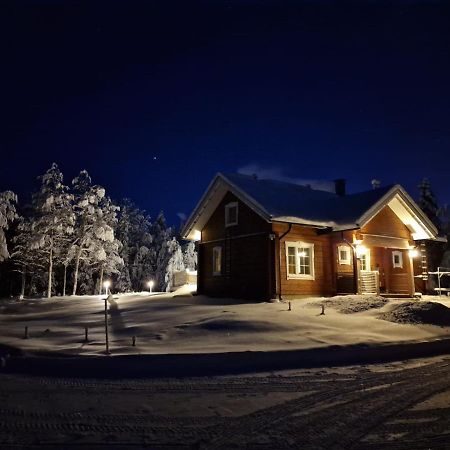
(320, 90)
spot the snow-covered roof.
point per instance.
(279, 201)
(301, 204)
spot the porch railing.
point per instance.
(369, 282)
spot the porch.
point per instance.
(380, 270)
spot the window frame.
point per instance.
(398, 265)
(347, 261)
(229, 206)
(300, 245)
(217, 253)
(367, 258)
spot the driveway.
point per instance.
(396, 405)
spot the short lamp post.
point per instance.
(150, 286)
(106, 285)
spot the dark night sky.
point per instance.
(313, 90)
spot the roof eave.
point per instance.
(409, 203)
(305, 222)
(187, 227)
(207, 195)
(247, 199)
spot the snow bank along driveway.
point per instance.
(167, 323)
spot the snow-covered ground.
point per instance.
(401, 405)
(182, 323)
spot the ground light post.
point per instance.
(150, 286)
(106, 285)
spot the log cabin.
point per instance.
(262, 239)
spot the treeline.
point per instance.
(71, 238)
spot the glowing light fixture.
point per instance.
(360, 250)
(197, 235)
(106, 285)
(413, 252)
(150, 285)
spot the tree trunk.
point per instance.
(50, 270)
(30, 289)
(24, 278)
(101, 282)
(75, 274)
(65, 280)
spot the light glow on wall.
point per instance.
(360, 250)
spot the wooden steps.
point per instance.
(368, 282)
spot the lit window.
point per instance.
(300, 260)
(217, 260)
(397, 259)
(344, 254)
(364, 260)
(231, 214)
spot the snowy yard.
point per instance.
(181, 323)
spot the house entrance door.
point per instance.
(369, 282)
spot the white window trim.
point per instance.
(217, 250)
(228, 206)
(398, 265)
(299, 244)
(367, 255)
(348, 260)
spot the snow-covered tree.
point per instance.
(7, 215)
(142, 268)
(190, 256)
(28, 260)
(123, 282)
(95, 218)
(133, 231)
(428, 202)
(175, 263)
(53, 220)
(162, 254)
(107, 255)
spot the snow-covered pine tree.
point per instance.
(7, 215)
(142, 269)
(53, 219)
(107, 255)
(190, 256)
(92, 228)
(133, 231)
(174, 264)
(428, 202)
(140, 250)
(28, 261)
(161, 236)
(123, 282)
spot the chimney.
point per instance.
(375, 183)
(339, 186)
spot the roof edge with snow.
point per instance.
(209, 201)
(406, 209)
(395, 197)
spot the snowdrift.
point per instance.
(350, 304)
(429, 313)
